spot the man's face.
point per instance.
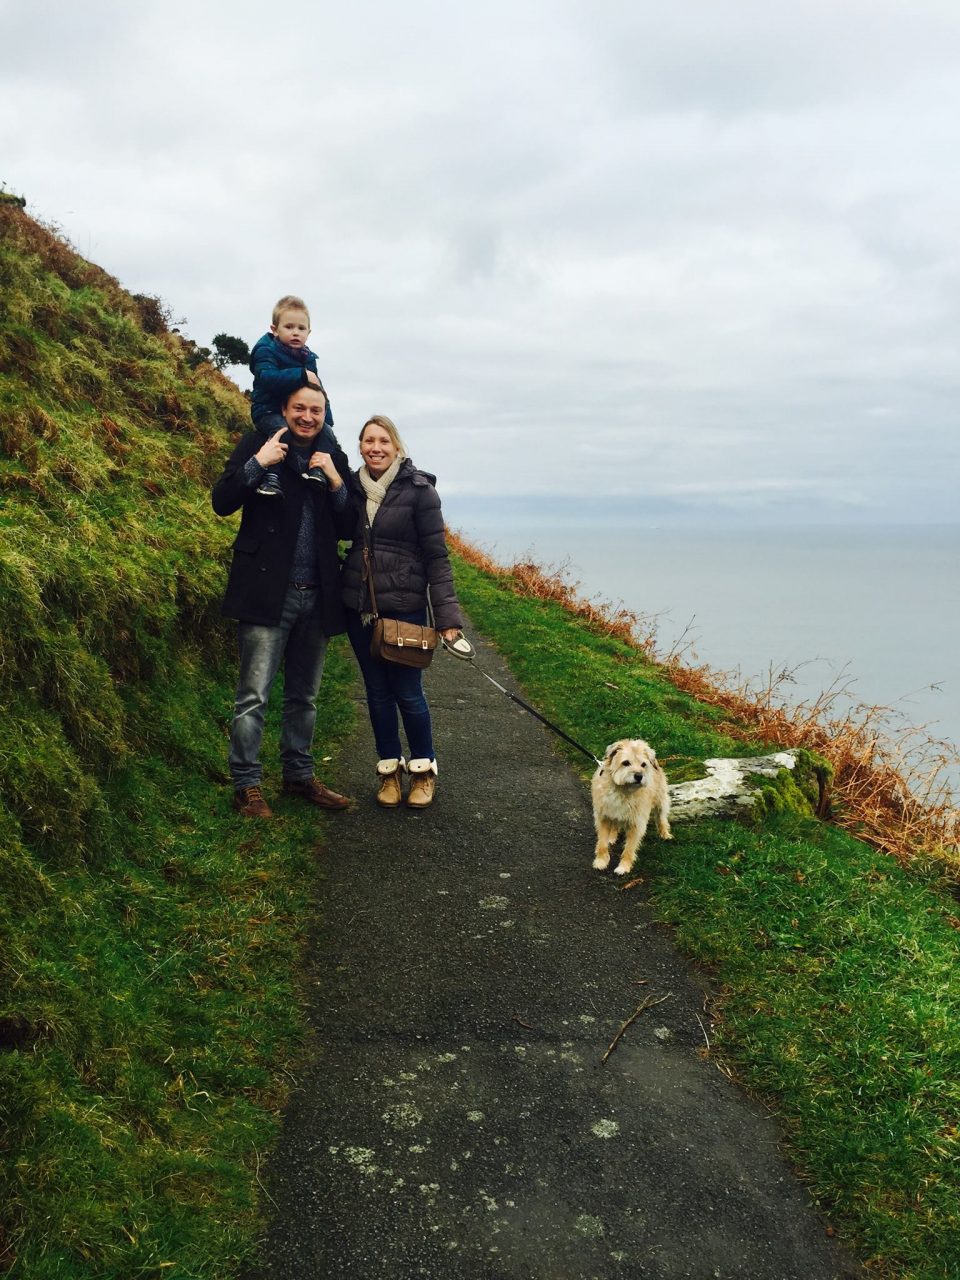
(304, 413)
(293, 328)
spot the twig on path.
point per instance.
(520, 1022)
(647, 1004)
(703, 1029)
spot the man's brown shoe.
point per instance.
(312, 789)
(250, 802)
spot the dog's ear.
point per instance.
(609, 752)
(653, 756)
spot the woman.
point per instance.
(399, 515)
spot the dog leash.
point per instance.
(463, 649)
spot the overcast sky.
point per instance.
(701, 253)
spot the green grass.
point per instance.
(155, 988)
(838, 973)
(149, 937)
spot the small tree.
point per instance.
(228, 350)
(8, 197)
(195, 356)
(157, 316)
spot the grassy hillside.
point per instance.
(147, 936)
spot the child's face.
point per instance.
(293, 328)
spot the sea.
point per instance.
(869, 614)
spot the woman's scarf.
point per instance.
(376, 491)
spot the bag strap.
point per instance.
(368, 569)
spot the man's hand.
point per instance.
(325, 462)
(273, 451)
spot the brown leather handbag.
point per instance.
(408, 643)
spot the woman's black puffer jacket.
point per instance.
(409, 551)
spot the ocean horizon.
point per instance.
(868, 611)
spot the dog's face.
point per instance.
(630, 762)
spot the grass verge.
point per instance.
(836, 968)
(157, 1012)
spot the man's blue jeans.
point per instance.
(300, 644)
(391, 687)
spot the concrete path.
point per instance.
(470, 970)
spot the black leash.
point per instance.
(526, 705)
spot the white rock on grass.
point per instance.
(726, 788)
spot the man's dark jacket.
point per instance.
(265, 543)
(409, 551)
(277, 371)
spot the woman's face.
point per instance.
(377, 449)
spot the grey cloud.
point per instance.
(755, 57)
(547, 238)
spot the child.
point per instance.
(281, 361)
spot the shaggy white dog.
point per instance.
(626, 788)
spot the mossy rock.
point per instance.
(804, 789)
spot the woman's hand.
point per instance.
(273, 451)
(325, 462)
(450, 634)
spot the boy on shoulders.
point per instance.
(281, 362)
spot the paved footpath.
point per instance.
(470, 969)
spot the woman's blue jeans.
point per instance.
(300, 644)
(392, 688)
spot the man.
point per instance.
(284, 592)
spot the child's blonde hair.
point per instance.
(381, 420)
(289, 302)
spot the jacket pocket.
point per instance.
(247, 543)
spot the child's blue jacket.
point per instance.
(277, 370)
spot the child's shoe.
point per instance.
(269, 486)
(316, 475)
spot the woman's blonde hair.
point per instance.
(388, 425)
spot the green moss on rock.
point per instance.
(804, 789)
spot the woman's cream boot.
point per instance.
(423, 783)
(388, 775)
